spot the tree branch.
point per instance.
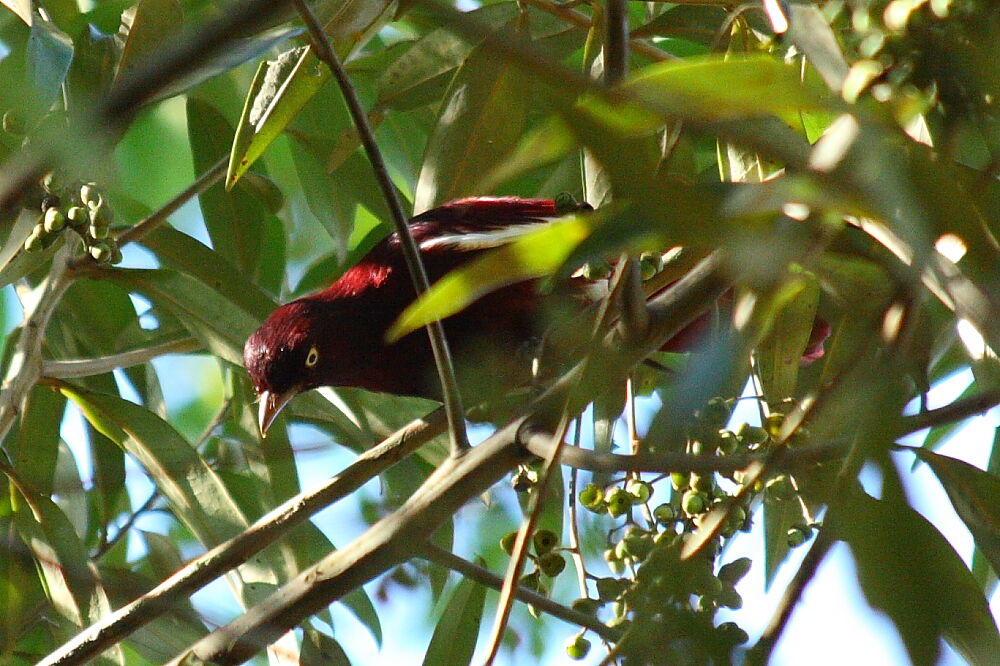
(392, 540)
(70, 368)
(26, 361)
(439, 344)
(94, 640)
(447, 559)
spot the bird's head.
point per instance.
(285, 357)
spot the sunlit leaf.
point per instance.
(454, 638)
(146, 26)
(530, 256)
(781, 350)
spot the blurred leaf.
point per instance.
(21, 263)
(197, 496)
(975, 494)
(533, 255)
(421, 69)
(325, 198)
(780, 352)
(50, 52)
(481, 120)
(539, 147)
(908, 570)
(64, 563)
(779, 516)
(811, 33)
(145, 27)
(238, 52)
(454, 639)
(318, 649)
(712, 88)
(20, 7)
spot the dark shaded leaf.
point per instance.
(145, 27)
(318, 649)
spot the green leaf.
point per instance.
(196, 494)
(781, 350)
(539, 147)
(318, 649)
(63, 561)
(811, 33)
(422, 67)
(15, 263)
(145, 27)
(234, 220)
(38, 439)
(454, 639)
(908, 570)
(280, 89)
(481, 120)
(217, 322)
(50, 53)
(235, 54)
(975, 494)
(534, 255)
(713, 88)
(20, 7)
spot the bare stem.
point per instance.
(197, 573)
(439, 345)
(449, 560)
(94, 366)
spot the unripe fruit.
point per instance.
(703, 484)
(507, 542)
(90, 195)
(577, 647)
(608, 589)
(639, 490)
(752, 434)
(693, 502)
(12, 124)
(33, 243)
(679, 480)
(735, 570)
(544, 541)
(665, 514)
(650, 264)
(98, 233)
(551, 564)
(586, 605)
(798, 535)
(116, 255)
(54, 220)
(591, 496)
(101, 252)
(530, 581)
(618, 502)
(728, 442)
(595, 270)
(101, 215)
(772, 424)
(780, 488)
(77, 216)
(716, 412)
(51, 182)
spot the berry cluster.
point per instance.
(81, 207)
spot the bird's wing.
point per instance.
(478, 223)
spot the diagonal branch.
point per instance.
(439, 345)
(91, 642)
(86, 367)
(392, 540)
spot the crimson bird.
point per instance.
(337, 337)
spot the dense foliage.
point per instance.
(172, 171)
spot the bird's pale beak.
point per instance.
(270, 405)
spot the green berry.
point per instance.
(586, 605)
(591, 496)
(780, 488)
(12, 124)
(101, 215)
(101, 252)
(116, 255)
(608, 589)
(798, 535)
(577, 647)
(716, 412)
(544, 541)
(54, 220)
(77, 216)
(98, 233)
(665, 514)
(530, 581)
(618, 501)
(507, 542)
(33, 243)
(90, 195)
(694, 502)
(639, 490)
(679, 480)
(39, 230)
(551, 564)
(728, 442)
(733, 571)
(50, 182)
(650, 264)
(772, 424)
(595, 270)
(637, 545)
(752, 434)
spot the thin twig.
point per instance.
(86, 367)
(449, 560)
(581, 20)
(127, 525)
(197, 573)
(26, 362)
(439, 345)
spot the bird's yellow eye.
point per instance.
(312, 358)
